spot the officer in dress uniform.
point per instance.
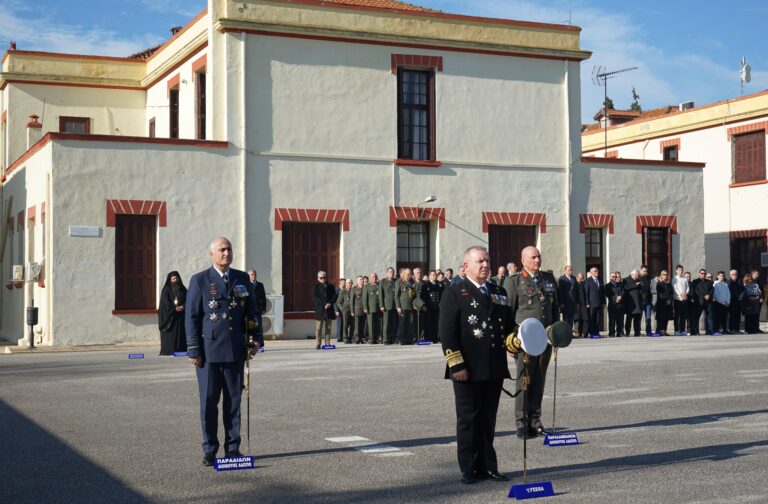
(405, 293)
(419, 305)
(431, 292)
(371, 309)
(224, 328)
(344, 304)
(474, 319)
(533, 294)
(358, 310)
(388, 308)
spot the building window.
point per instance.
(307, 249)
(745, 255)
(670, 153)
(173, 96)
(416, 114)
(75, 125)
(413, 245)
(200, 105)
(593, 250)
(135, 259)
(657, 249)
(152, 131)
(506, 242)
(749, 157)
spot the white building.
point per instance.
(310, 133)
(729, 137)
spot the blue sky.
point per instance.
(685, 50)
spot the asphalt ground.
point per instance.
(671, 419)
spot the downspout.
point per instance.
(244, 150)
(568, 162)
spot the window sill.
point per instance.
(414, 162)
(135, 312)
(746, 184)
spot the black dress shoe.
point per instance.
(526, 433)
(208, 459)
(468, 479)
(233, 453)
(497, 476)
(480, 475)
(541, 431)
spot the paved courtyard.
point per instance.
(676, 419)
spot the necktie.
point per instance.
(225, 277)
(484, 290)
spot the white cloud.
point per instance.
(618, 40)
(43, 33)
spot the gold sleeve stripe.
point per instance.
(454, 358)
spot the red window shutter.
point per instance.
(307, 249)
(135, 257)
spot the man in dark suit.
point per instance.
(474, 318)
(431, 292)
(224, 329)
(323, 299)
(261, 295)
(532, 294)
(614, 292)
(595, 298)
(566, 288)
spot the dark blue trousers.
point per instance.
(214, 380)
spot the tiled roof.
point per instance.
(146, 53)
(630, 115)
(381, 4)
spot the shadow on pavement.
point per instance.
(711, 453)
(668, 422)
(38, 467)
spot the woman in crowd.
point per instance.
(664, 294)
(750, 305)
(173, 337)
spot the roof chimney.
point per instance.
(175, 30)
(686, 106)
(13, 45)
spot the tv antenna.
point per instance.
(600, 76)
(745, 75)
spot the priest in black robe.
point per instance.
(173, 337)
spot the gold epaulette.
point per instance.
(454, 357)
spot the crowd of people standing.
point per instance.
(404, 309)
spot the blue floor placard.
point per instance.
(328, 347)
(424, 343)
(233, 463)
(135, 355)
(562, 439)
(262, 350)
(594, 336)
(531, 490)
(180, 354)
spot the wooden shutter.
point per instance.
(135, 258)
(749, 157)
(307, 249)
(505, 243)
(174, 113)
(201, 105)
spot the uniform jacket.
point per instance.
(371, 297)
(344, 302)
(405, 292)
(431, 294)
(357, 305)
(472, 329)
(613, 291)
(323, 294)
(566, 293)
(218, 319)
(594, 293)
(529, 299)
(387, 294)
